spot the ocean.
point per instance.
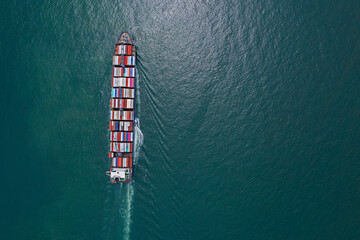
(249, 115)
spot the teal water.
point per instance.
(249, 112)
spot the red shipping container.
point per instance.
(128, 49)
(130, 126)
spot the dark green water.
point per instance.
(249, 111)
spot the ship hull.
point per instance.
(122, 111)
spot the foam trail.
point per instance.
(125, 212)
(139, 139)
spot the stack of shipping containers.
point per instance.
(122, 107)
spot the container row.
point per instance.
(124, 49)
(123, 72)
(121, 147)
(122, 93)
(122, 103)
(121, 126)
(121, 136)
(121, 115)
(125, 60)
(123, 82)
(122, 162)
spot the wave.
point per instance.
(139, 140)
(125, 210)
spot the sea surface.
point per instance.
(249, 112)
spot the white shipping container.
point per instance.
(124, 162)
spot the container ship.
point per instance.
(122, 112)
